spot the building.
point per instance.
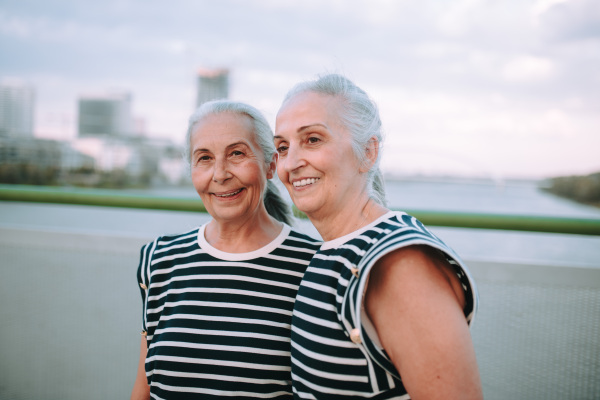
(105, 116)
(28, 160)
(16, 109)
(213, 84)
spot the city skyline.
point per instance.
(493, 89)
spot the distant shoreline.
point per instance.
(458, 179)
(584, 189)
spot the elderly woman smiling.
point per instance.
(217, 300)
(384, 308)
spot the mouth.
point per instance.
(228, 194)
(304, 182)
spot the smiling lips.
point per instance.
(228, 194)
(304, 182)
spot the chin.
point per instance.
(307, 207)
(228, 216)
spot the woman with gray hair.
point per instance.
(384, 308)
(217, 300)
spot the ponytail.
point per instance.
(378, 188)
(276, 206)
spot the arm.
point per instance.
(415, 303)
(141, 390)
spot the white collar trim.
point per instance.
(223, 255)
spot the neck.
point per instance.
(243, 235)
(348, 220)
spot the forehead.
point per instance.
(309, 108)
(223, 127)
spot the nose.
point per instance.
(220, 171)
(294, 159)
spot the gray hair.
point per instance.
(360, 115)
(276, 206)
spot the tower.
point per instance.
(16, 109)
(212, 84)
(105, 115)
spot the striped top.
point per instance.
(218, 324)
(335, 350)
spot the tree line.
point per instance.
(581, 188)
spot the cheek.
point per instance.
(199, 178)
(253, 174)
(282, 175)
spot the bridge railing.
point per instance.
(115, 198)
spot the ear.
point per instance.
(371, 153)
(272, 166)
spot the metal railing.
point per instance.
(116, 198)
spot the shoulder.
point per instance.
(405, 226)
(415, 259)
(296, 247)
(410, 255)
(169, 241)
(299, 239)
(417, 271)
(400, 230)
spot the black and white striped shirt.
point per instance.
(218, 324)
(335, 350)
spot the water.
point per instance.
(511, 197)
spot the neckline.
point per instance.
(223, 255)
(331, 244)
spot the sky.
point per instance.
(486, 88)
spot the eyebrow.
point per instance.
(240, 143)
(303, 128)
(229, 146)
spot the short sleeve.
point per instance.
(352, 313)
(143, 279)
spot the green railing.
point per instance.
(96, 197)
(115, 198)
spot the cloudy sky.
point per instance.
(497, 88)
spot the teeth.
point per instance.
(228, 194)
(305, 182)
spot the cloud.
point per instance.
(14, 26)
(569, 20)
(528, 69)
(540, 7)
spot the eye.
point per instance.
(281, 149)
(236, 153)
(202, 159)
(313, 139)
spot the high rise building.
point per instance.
(16, 109)
(105, 115)
(213, 84)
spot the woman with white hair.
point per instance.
(384, 308)
(217, 300)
